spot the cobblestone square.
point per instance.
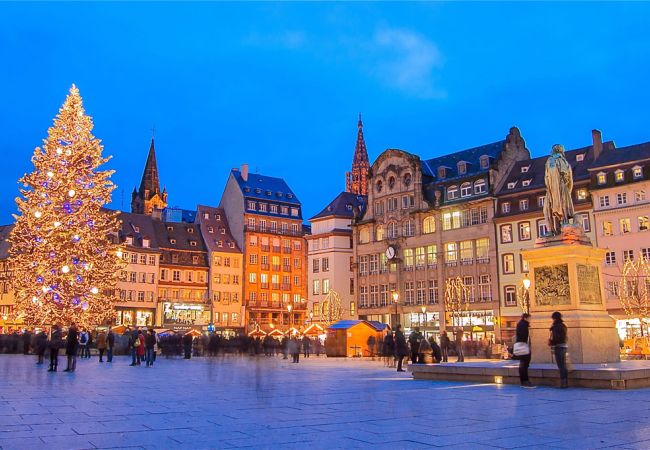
(242, 402)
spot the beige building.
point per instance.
(137, 287)
(6, 288)
(429, 221)
(226, 271)
(519, 221)
(620, 187)
(330, 260)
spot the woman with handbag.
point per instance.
(558, 343)
(521, 349)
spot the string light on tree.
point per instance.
(65, 263)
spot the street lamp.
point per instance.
(395, 295)
(290, 316)
(311, 317)
(424, 316)
(526, 301)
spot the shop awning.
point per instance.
(314, 330)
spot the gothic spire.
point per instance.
(357, 179)
(150, 181)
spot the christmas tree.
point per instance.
(65, 262)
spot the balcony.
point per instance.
(265, 248)
(286, 268)
(466, 261)
(286, 250)
(257, 228)
(432, 265)
(483, 260)
(264, 285)
(275, 267)
(408, 268)
(420, 267)
(286, 287)
(264, 266)
(275, 286)
(451, 263)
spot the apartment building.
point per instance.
(6, 289)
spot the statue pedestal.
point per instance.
(566, 276)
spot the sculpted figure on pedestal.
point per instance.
(558, 203)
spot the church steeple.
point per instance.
(357, 179)
(149, 196)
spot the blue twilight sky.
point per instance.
(279, 85)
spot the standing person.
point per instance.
(40, 343)
(27, 339)
(71, 348)
(436, 354)
(83, 342)
(523, 337)
(285, 347)
(110, 343)
(401, 348)
(558, 343)
(371, 342)
(294, 349)
(55, 344)
(187, 345)
(101, 344)
(89, 343)
(459, 344)
(414, 340)
(149, 345)
(306, 346)
(140, 352)
(134, 342)
(444, 346)
(389, 350)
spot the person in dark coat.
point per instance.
(522, 335)
(110, 343)
(401, 348)
(71, 348)
(436, 353)
(306, 346)
(444, 346)
(388, 350)
(558, 342)
(149, 345)
(187, 346)
(27, 339)
(459, 344)
(55, 343)
(134, 343)
(414, 341)
(40, 343)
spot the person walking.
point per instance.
(459, 344)
(444, 346)
(414, 341)
(140, 352)
(71, 348)
(294, 346)
(83, 342)
(389, 350)
(558, 343)
(27, 340)
(55, 344)
(40, 343)
(401, 348)
(101, 344)
(522, 349)
(149, 345)
(110, 343)
(306, 346)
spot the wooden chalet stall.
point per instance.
(350, 338)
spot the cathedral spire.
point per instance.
(357, 179)
(150, 181)
(149, 196)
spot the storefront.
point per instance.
(140, 317)
(181, 316)
(477, 324)
(427, 322)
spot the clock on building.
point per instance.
(390, 252)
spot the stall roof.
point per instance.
(344, 324)
(377, 325)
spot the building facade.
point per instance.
(429, 221)
(265, 220)
(226, 271)
(331, 258)
(620, 187)
(149, 198)
(183, 301)
(519, 221)
(137, 288)
(6, 288)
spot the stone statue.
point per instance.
(558, 203)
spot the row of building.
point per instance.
(381, 250)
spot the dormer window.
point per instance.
(247, 189)
(442, 172)
(170, 228)
(278, 194)
(206, 215)
(580, 157)
(523, 204)
(223, 231)
(190, 230)
(462, 168)
(251, 206)
(512, 185)
(601, 177)
(219, 243)
(129, 240)
(619, 176)
(172, 241)
(262, 207)
(485, 162)
(637, 172)
(525, 169)
(269, 193)
(217, 217)
(210, 230)
(505, 207)
(289, 195)
(231, 244)
(348, 207)
(452, 192)
(193, 243)
(145, 243)
(466, 189)
(480, 186)
(258, 191)
(136, 228)
(525, 183)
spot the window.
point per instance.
(469, 289)
(391, 182)
(643, 223)
(452, 192)
(284, 210)
(451, 220)
(510, 295)
(363, 296)
(645, 253)
(581, 194)
(604, 201)
(379, 208)
(619, 175)
(392, 230)
(637, 172)
(601, 178)
(433, 292)
(480, 186)
(482, 249)
(325, 264)
(524, 231)
(610, 258)
(408, 201)
(176, 275)
(316, 265)
(628, 255)
(152, 260)
(326, 286)
(608, 230)
(485, 162)
(379, 233)
(432, 255)
(542, 229)
(374, 264)
(442, 172)
(621, 198)
(363, 265)
(364, 237)
(274, 209)
(506, 234)
(294, 212)
(409, 228)
(526, 183)
(612, 288)
(512, 185)
(408, 259)
(392, 204)
(523, 204)
(134, 258)
(252, 277)
(484, 288)
(429, 225)
(163, 274)
(451, 253)
(508, 263)
(540, 201)
(624, 225)
(505, 207)
(420, 257)
(251, 206)
(316, 287)
(408, 291)
(466, 189)
(525, 169)
(639, 196)
(462, 167)
(466, 251)
(580, 157)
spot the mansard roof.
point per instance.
(138, 226)
(262, 187)
(345, 205)
(471, 156)
(622, 155)
(211, 218)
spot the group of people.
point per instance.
(143, 347)
(76, 343)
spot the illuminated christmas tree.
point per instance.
(65, 264)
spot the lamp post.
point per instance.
(311, 317)
(395, 296)
(526, 300)
(424, 316)
(290, 317)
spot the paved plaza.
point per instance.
(237, 402)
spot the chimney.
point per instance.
(244, 172)
(597, 138)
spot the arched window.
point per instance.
(392, 230)
(480, 186)
(408, 228)
(429, 225)
(452, 192)
(379, 233)
(364, 236)
(466, 189)
(379, 185)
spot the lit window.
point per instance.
(624, 225)
(506, 234)
(452, 192)
(604, 201)
(429, 225)
(523, 204)
(508, 263)
(619, 176)
(505, 207)
(602, 178)
(524, 231)
(466, 189)
(581, 194)
(608, 229)
(637, 172)
(643, 223)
